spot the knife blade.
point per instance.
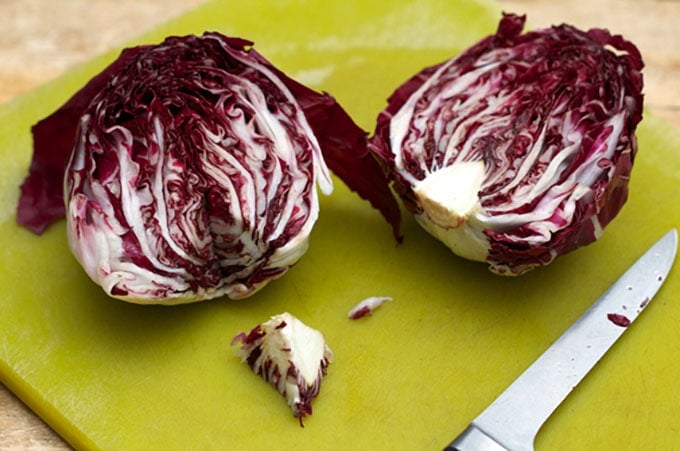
(512, 421)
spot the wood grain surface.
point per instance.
(41, 39)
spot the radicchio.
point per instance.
(290, 355)
(193, 169)
(521, 148)
(367, 306)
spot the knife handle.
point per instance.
(474, 439)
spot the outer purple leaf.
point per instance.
(344, 148)
(42, 192)
(191, 170)
(521, 148)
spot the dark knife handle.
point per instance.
(474, 439)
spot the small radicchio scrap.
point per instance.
(618, 319)
(290, 355)
(367, 306)
(520, 149)
(188, 170)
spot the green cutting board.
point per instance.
(111, 375)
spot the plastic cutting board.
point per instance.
(111, 375)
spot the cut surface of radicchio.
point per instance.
(187, 170)
(520, 149)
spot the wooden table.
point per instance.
(41, 39)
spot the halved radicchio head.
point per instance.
(188, 170)
(521, 148)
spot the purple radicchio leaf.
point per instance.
(186, 170)
(42, 193)
(520, 149)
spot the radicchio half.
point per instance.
(521, 148)
(193, 169)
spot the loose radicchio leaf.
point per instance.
(188, 170)
(521, 148)
(290, 355)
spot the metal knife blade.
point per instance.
(512, 421)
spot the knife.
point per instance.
(512, 421)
